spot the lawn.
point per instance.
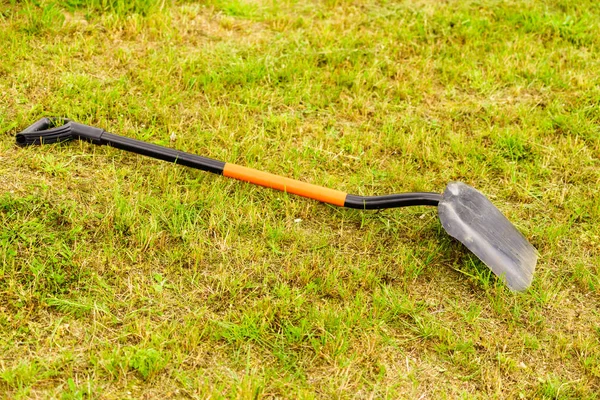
(126, 277)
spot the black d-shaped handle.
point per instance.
(56, 130)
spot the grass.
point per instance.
(124, 277)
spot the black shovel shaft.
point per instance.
(46, 131)
(38, 133)
(163, 153)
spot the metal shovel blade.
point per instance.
(468, 216)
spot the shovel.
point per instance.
(465, 213)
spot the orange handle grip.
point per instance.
(287, 185)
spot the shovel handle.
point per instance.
(54, 130)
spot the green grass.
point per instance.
(123, 277)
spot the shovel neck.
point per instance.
(393, 200)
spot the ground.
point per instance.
(127, 277)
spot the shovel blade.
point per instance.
(468, 216)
